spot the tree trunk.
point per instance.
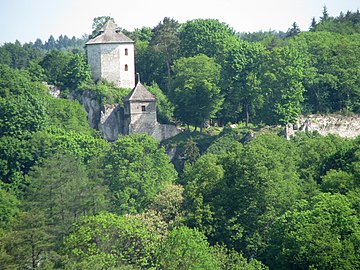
(247, 114)
(168, 64)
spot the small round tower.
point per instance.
(111, 56)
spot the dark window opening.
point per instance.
(126, 67)
(126, 52)
(143, 108)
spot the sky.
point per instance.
(27, 20)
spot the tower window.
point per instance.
(143, 108)
(126, 67)
(126, 52)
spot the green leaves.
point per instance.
(196, 94)
(135, 170)
(322, 233)
(282, 84)
(185, 249)
(113, 240)
(22, 103)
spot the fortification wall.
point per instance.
(343, 126)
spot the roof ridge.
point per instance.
(139, 93)
(110, 33)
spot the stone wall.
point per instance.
(113, 62)
(344, 126)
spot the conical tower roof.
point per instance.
(110, 34)
(139, 93)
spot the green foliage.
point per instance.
(55, 64)
(231, 259)
(206, 36)
(315, 152)
(191, 151)
(241, 73)
(164, 108)
(262, 183)
(322, 233)
(196, 94)
(343, 24)
(168, 203)
(29, 243)
(337, 182)
(204, 191)
(105, 92)
(282, 84)
(86, 147)
(15, 161)
(68, 115)
(61, 189)
(136, 169)
(22, 103)
(112, 241)
(186, 249)
(19, 56)
(9, 208)
(166, 40)
(335, 84)
(76, 72)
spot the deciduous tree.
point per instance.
(196, 92)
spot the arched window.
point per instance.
(126, 67)
(126, 51)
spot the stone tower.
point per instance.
(111, 56)
(140, 111)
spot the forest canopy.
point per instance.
(239, 197)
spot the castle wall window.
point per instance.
(126, 67)
(126, 52)
(143, 108)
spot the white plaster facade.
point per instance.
(111, 56)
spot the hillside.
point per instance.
(229, 192)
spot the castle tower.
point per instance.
(111, 56)
(140, 110)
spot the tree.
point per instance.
(112, 241)
(22, 103)
(166, 39)
(334, 83)
(136, 169)
(54, 64)
(196, 94)
(98, 23)
(313, 25)
(9, 208)
(293, 31)
(260, 184)
(241, 85)
(204, 191)
(29, 243)
(325, 14)
(61, 189)
(206, 36)
(282, 83)
(191, 152)
(186, 249)
(164, 108)
(168, 203)
(76, 72)
(322, 233)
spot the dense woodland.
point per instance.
(71, 200)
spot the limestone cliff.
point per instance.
(111, 120)
(106, 118)
(344, 126)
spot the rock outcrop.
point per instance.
(344, 126)
(111, 121)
